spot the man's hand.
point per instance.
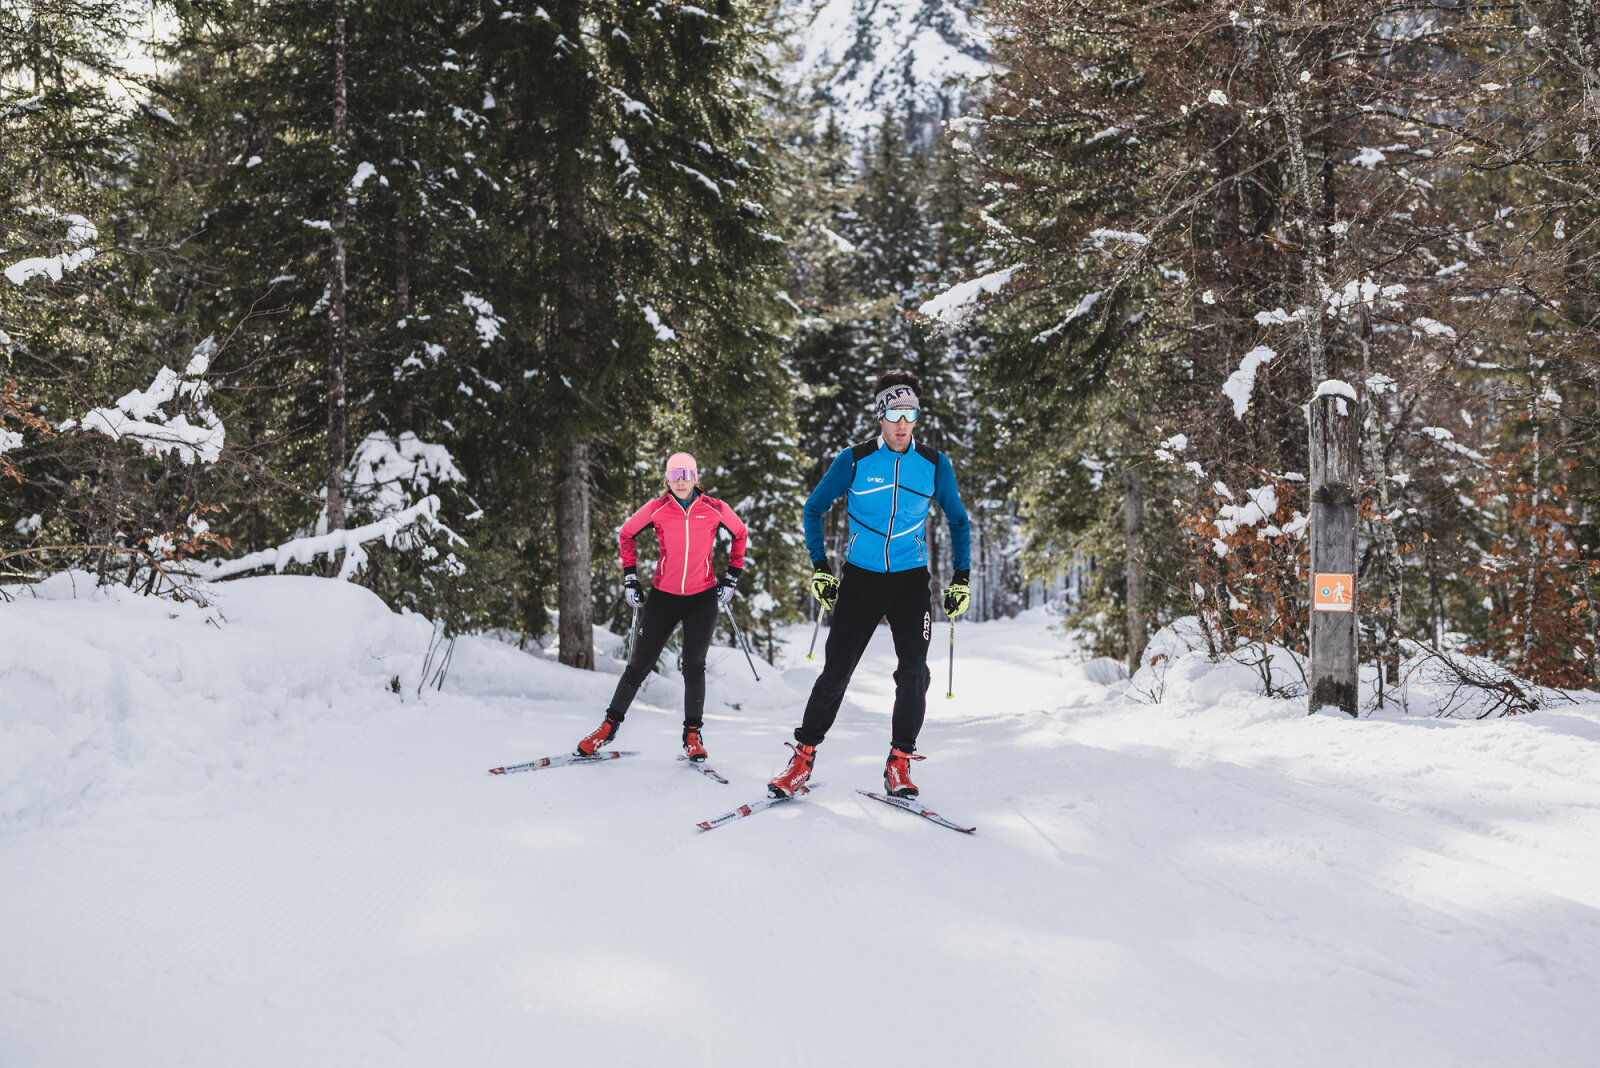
(957, 595)
(824, 587)
(631, 591)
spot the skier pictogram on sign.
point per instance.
(1333, 592)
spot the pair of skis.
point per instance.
(578, 758)
(905, 804)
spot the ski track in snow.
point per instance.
(322, 872)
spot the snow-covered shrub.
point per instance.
(1248, 573)
(1455, 685)
(1182, 656)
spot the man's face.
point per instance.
(897, 426)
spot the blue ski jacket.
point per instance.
(890, 494)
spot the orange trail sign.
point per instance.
(1332, 591)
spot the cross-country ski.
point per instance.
(916, 808)
(756, 806)
(563, 760)
(708, 772)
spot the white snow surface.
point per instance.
(224, 839)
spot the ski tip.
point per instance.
(497, 771)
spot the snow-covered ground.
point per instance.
(226, 839)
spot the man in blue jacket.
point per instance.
(891, 483)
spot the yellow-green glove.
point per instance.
(957, 599)
(824, 586)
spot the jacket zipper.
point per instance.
(684, 587)
(894, 508)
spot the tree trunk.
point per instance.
(1311, 269)
(575, 593)
(402, 269)
(339, 342)
(574, 574)
(1388, 553)
(1133, 531)
(1333, 549)
(1584, 28)
(1594, 624)
(1532, 599)
(1334, 460)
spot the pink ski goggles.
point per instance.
(682, 474)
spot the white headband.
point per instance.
(894, 395)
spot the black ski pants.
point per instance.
(865, 597)
(661, 614)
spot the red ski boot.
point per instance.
(691, 745)
(602, 735)
(798, 771)
(897, 774)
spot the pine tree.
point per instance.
(639, 196)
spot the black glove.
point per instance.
(631, 592)
(728, 586)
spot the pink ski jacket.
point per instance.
(685, 538)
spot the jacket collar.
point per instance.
(911, 446)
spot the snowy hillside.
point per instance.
(226, 839)
(911, 57)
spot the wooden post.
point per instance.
(1334, 482)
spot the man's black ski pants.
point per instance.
(865, 597)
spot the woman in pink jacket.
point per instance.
(685, 591)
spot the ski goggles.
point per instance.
(901, 415)
(682, 474)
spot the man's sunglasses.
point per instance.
(901, 415)
(682, 474)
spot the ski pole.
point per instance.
(633, 631)
(814, 630)
(739, 636)
(950, 688)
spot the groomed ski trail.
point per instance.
(1161, 885)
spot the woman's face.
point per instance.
(682, 474)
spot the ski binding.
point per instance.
(756, 806)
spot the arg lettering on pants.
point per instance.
(1333, 592)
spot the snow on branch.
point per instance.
(80, 231)
(352, 542)
(384, 469)
(138, 416)
(1362, 293)
(1083, 307)
(1100, 237)
(957, 303)
(52, 267)
(1242, 383)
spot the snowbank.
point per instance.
(232, 842)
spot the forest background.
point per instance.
(448, 280)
